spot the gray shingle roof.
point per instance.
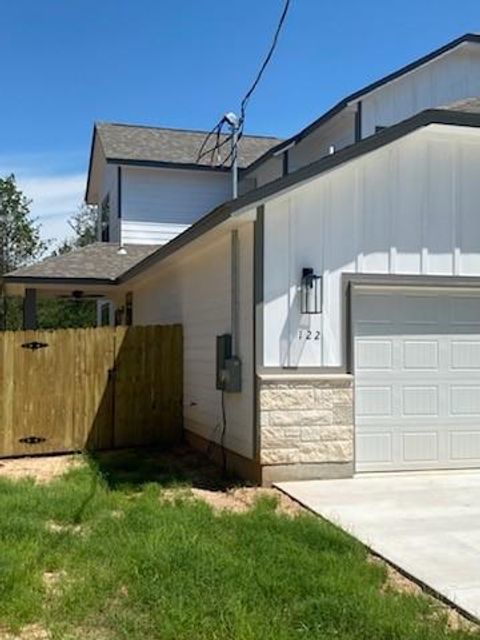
(469, 105)
(99, 260)
(154, 144)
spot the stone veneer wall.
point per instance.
(306, 420)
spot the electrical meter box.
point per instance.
(229, 367)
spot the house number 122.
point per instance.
(308, 334)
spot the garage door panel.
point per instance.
(418, 310)
(420, 354)
(464, 400)
(465, 354)
(420, 401)
(374, 354)
(375, 448)
(420, 446)
(465, 310)
(465, 445)
(417, 381)
(374, 401)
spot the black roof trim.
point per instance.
(468, 37)
(224, 211)
(167, 165)
(90, 162)
(53, 280)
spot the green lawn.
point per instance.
(100, 554)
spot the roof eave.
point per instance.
(32, 280)
(361, 93)
(90, 166)
(165, 164)
(257, 196)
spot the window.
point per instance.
(105, 219)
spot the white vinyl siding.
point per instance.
(339, 132)
(454, 76)
(137, 232)
(408, 208)
(172, 198)
(195, 290)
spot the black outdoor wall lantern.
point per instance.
(311, 292)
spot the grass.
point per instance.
(99, 554)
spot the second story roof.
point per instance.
(173, 146)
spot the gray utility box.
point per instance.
(229, 368)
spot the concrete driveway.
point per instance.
(427, 524)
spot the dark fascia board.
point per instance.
(90, 162)
(468, 37)
(56, 281)
(168, 165)
(223, 212)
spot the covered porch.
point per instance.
(90, 273)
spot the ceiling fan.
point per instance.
(80, 296)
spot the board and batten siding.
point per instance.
(158, 204)
(411, 207)
(195, 290)
(451, 77)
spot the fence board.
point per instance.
(90, 388)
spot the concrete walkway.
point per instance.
(426, 524)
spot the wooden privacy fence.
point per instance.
(71, 389)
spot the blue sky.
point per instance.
(67, 63)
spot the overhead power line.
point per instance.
(248, 95)
(217, 129)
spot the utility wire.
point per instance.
(217, 129)
(248, 95)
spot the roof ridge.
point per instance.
(178, 129)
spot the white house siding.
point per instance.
(172, 199)
(150, 232)
(339, 132)
(454, 76)
(411, 207)
(268, 171)
(195, 291)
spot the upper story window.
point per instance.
(105, 219)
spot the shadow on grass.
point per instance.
(132, 468)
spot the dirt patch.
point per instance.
(53, 580)
(30, 632)
(40, 469)
(242, 499)
(399, 583)
(58, 527)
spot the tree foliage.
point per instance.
(84, 226)
(20, 244)
(20, 241)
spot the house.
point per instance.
(346, 277)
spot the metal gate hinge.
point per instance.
(34, 345)
(32, 440)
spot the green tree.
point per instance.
(20, 241)
(84, 227)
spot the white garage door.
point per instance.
(417, 379)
